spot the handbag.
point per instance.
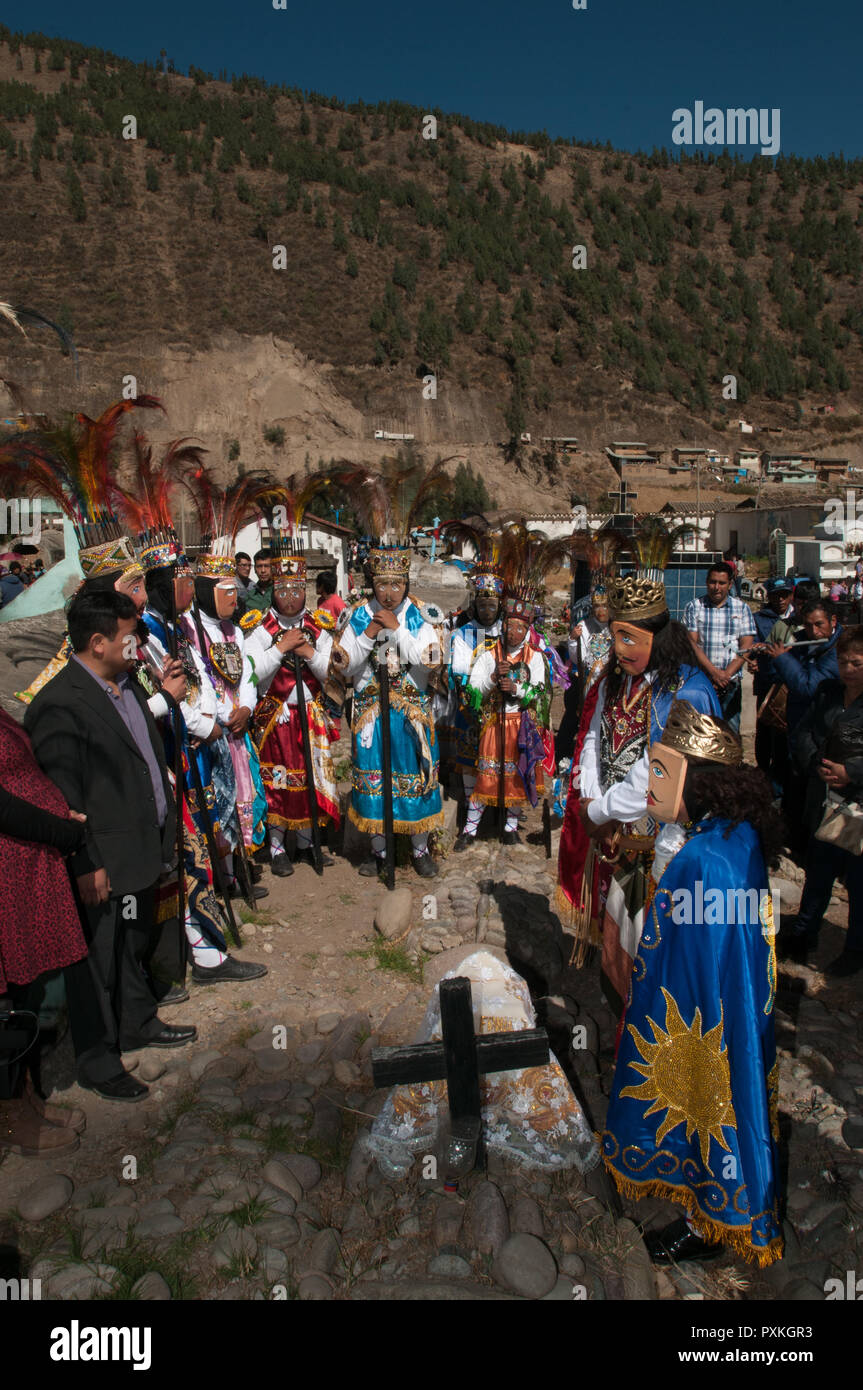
(842, 824)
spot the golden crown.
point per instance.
(386, 560)
(699, 735)
(632, 599)
(289, 567)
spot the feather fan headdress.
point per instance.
(642, 595)
(74, 464)
(388, 505)
(486, 576)
(528, 557)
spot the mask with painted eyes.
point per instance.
(135, 590)
(632, 647)
(184, 588)
(289, 599)
(390, 592)
(225, 599)
(666, 777)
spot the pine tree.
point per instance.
(75, 195)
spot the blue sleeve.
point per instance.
(804, 678)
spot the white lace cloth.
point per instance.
(531, 1116)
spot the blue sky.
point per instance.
(615, 71)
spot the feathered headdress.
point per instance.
(388, 505)
(18, 316)
(74, 464)
(486, 576)
(599, 550)
(528, 557)
(222, 511)
(146, 506)
(639, 596)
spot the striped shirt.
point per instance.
(720, 629)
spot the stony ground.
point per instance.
(244, 1174)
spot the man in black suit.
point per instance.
(94, 736)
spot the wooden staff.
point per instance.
(317, 857)
(387, 761)
(501, 759)
(177, 724)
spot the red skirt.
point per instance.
(39, 925)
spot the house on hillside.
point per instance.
(748, 462)
(788, 468)
(830, 469)
(683, 457)
(566, 443)
(622, 452)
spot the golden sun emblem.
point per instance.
(687, 1075)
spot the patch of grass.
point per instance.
(395, 958)
(310, 958)
(244, 1032)
(281, 1139)
(241, 1265)
(250, 1213)
(185, 1101)
(246, 1004)
(136, 1258)
(347, 898)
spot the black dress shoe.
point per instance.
(258, 890)
(281, 866)
(677, 1243)
(305, 856)
(463, 842)
(229, 969)
(256, 872)
(122, 1087)
(169, 994)
(511, 837)
(168, 1035)
(425, 865)
(371, 867)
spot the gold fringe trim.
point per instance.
(400, 827)
(737, 1238)
(577, 917)
(490, 799)
(283, 824)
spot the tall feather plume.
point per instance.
(599, 549)
(654, 542)
(222, 511)
(528, 557)
(73, 462)
(35, 319)
(147, 504)
(10, 315)
(485, 542)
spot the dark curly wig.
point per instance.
(737, 794)
(671, 649)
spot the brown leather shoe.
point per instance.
(65, 1117)
(23, 1132)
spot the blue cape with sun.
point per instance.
(693, 1110)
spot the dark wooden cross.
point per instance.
(623, 495)
(462, 1057)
